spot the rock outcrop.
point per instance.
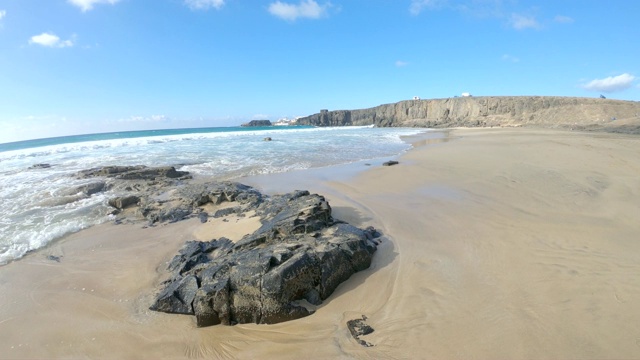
(139, 172)
(300, 253)
(292, 262)
(540, 111)
(258, 123)
(150, 192)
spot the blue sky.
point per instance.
(85, 66)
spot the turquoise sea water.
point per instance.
(19, 145)
(37, 208)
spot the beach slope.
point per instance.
(499, 243)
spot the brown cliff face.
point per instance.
(537, 111)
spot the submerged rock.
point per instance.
(39, 166)
(84, 190)
(299, 253)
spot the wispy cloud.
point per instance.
(400, 63)
(86, 5)
(510, 58)
(304, 9)
(50, 40)
(503, 10)
(563, 19)
(521, 22)
(144, 119)
(3, 13)
(417, 6)
(204, 4)
(611, 83)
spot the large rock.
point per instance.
(299, 253)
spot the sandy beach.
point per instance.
(503, 243)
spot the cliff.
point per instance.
(537, 111)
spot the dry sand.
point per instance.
(502, 244)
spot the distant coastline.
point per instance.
(595, 114)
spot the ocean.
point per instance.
(36, 208)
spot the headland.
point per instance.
(554, 112)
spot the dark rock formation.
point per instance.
(359, 327)
(139, 172)
(258, 123)
(299, 253)
(390, 163)
(146, 189)
(298, 256)
(537, 111)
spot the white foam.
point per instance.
(36, 209)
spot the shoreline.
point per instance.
(506, 243)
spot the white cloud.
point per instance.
(417, 6)
(86, 5)
(611, 83)
(400, 63)
(510, 58)
(305, 9)
(563, 19)
(521, 22)
(204, 4)
(50, 40)
(3, 13)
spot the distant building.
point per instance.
(286, 121)
(466, 95)
(416, 98)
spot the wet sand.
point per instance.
(501, 244)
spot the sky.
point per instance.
(89, 66)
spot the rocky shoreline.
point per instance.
(293, 262)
